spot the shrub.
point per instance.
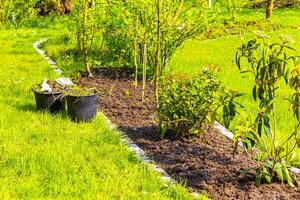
(185, 104)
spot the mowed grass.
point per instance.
(49, 157)
(219, 56)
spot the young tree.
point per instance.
(85, 36)
(85, 23)
(158, 51)
(161, 26)
(270, 6)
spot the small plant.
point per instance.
(186, 104)
(79, 91)
(48, 86)
(270, 64)
(126, 93)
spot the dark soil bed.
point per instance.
(204, 163)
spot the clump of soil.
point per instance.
(204, 163)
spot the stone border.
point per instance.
(124, 138)
(51, 62)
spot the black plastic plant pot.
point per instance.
(82, 108)
(52, 102)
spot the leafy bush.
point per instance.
(15, 13)
(185, 104)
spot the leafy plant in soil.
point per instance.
(270, 63)
(186, 104)
(79, 91)
(85, 20)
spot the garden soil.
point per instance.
(204, 163)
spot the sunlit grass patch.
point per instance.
(49, 157)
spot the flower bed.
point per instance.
(205, 163)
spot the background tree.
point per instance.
(270, 6)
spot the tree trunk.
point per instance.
(135, 54)
(135, 63)
(270, 7)
(144, 71)
(85, 37)
(157, 59)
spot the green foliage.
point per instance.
(270, 63)
(233, 7)
(15, 12)
(227, 99)
(185, 104)
(116, 25)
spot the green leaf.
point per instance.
(258, 177)
(259, 127)
(291, 48)
(287, 176)
(232, 109)
(162, 129)
(275, 44)
(286, 76)
(266, 124)
(254, 94)
(245, 71)
(226, 116)
(267, 175)
(279, 171)
(260, 93)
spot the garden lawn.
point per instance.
(50, 157)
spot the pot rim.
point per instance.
(76, 96)
(47, 93)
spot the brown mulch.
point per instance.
(204, 163)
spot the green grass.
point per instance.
(49, 157)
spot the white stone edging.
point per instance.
(51, 62)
